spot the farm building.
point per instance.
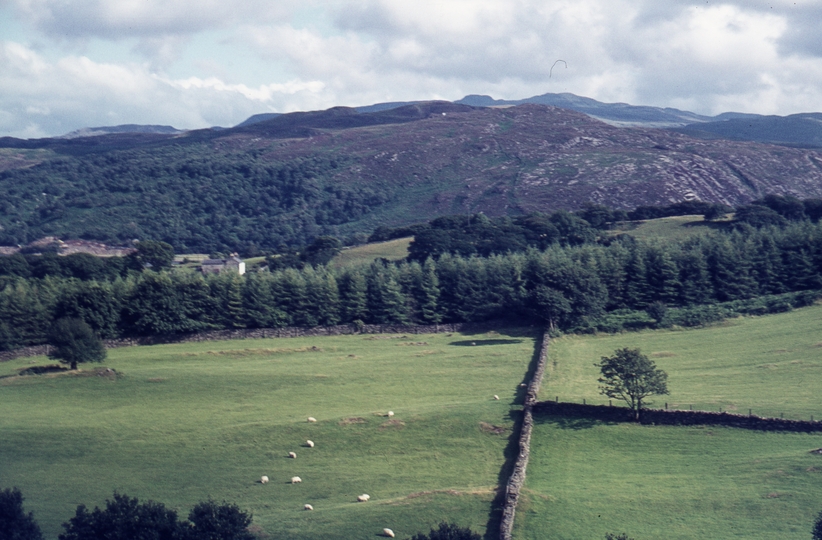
(217, 266)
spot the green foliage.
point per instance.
(631, 376)
(153, 254)
(15, 524)
(123, 518)
(448, 531)
(74, 342)
(321, 251)
(817, 528)
(612, 536)
(211, 521)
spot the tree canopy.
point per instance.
(74, 342)
(631, 376)
(15, 524)
(448, 531)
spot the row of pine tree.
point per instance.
(568, 287)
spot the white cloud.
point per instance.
(40, 98)
(204, 62)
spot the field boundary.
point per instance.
(263, 333)
(677, 418)
(517, 479)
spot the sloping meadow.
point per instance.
(181, 423)
(587, 477)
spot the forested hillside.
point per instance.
(626, 283)
(285, 181)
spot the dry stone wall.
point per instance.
(677, 418)
(517, 479)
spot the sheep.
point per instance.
(264, 480)
(388, 532)
(308, 507)
(364, 497)
(309, 444)
(496, 397)
(296, 479)
(390, 414)
(311, 419)
(292, 455)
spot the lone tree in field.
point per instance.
(630, 376)
(74, 342)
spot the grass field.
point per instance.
(184, 422)
(669, 228)
(393, 250)
(771, 365)
(586, 479)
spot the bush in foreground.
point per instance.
(15, 524)
(126, 518)
(448, 531)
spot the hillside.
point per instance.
(296, 176)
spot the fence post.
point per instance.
(749, 412)
(691, 407)
(583, 401)
(557, 399)
(610, 403)
(666, 405)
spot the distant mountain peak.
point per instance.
(124, 128)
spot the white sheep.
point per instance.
(364, 497)
(311, 419)
(309, 444)
(292, 455)
(264, 480)
(496, 397)
(308, 507)
(390, 414)
(388, 532)
(296, 479)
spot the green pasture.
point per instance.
(771, 365)
(588, 478)
(393, 250)
(184, 422)
(668, 228)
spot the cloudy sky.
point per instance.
(67, 64)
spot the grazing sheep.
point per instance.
(296, 479)
(264, 480)
(496, 397)
(388, 532)
(309, 444)
(308, 507)
(390, 414)
(292, 455)
(311, 419)
(522, 385)
(364, 497)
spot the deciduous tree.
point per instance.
(630, 376)
(74, 342)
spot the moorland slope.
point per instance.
(339, 172)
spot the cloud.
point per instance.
(41, 98)
(204, 62)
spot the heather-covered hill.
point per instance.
(296, 176)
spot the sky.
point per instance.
(69, 64)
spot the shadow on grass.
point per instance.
(480, 342)
(570, 422)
